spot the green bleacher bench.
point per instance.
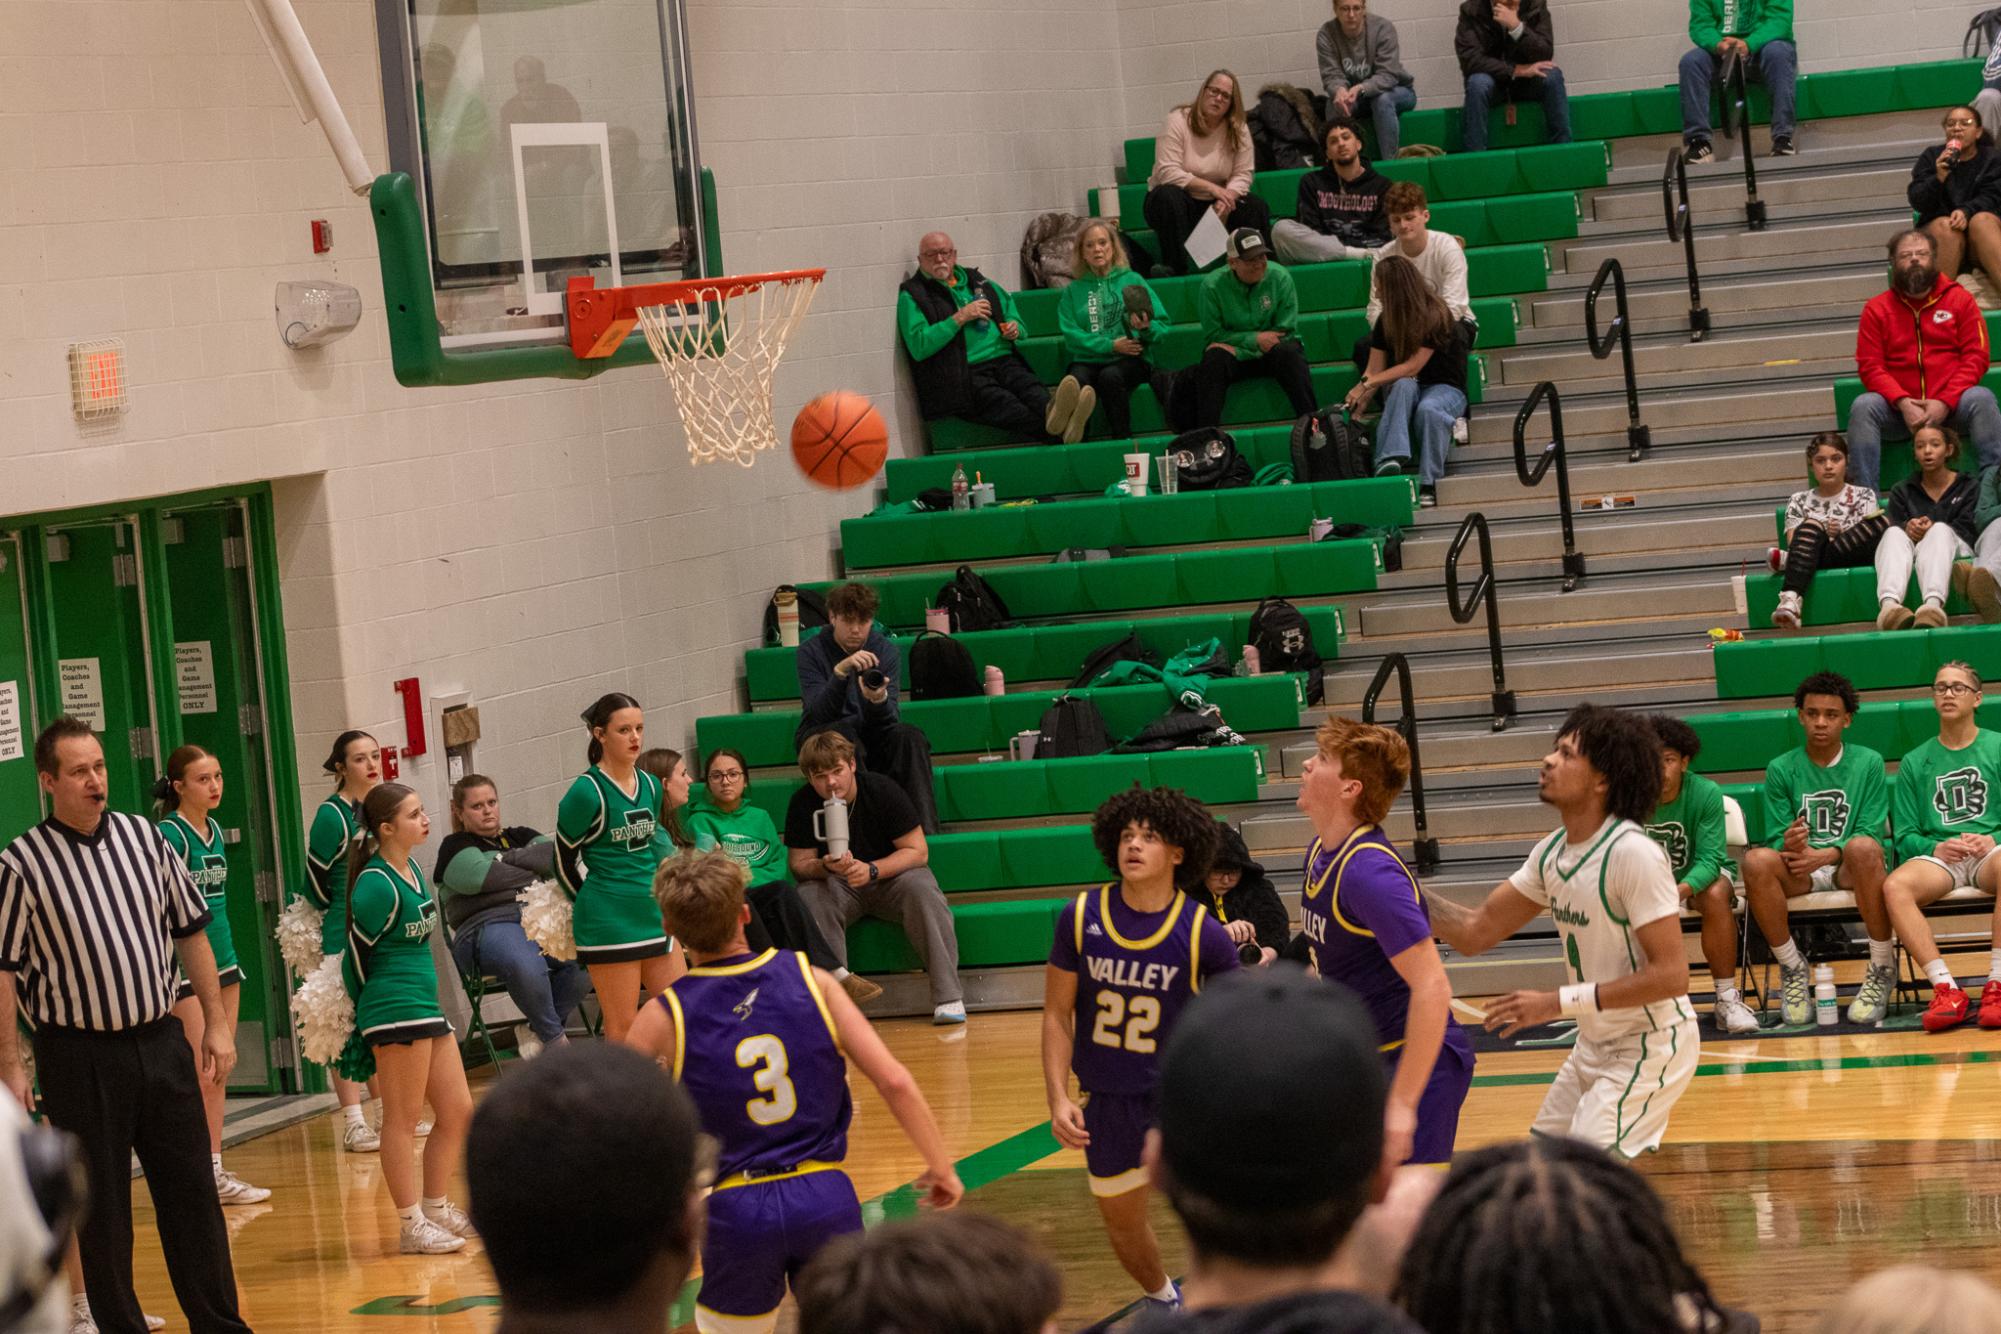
(1188, 518)
(1732, 742)
(1835, 597)
(985, 723)
(1002, 934)
(1056, 652)
(1138, 583)
(1025, 472)
(1874, 660)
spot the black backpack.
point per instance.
(1326, 447)
(1072, 727)
(1285, 127)
(812, 613)
(1284, 642)
(1388, 539)
(1207, 460)
(972, 603)
(1182, 727)
(1128, 649)
(1983, 30)
(941, 668)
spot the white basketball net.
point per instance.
(719, 347)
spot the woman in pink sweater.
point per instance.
(1202, 160)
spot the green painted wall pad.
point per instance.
(1875, 660)
(990, 935)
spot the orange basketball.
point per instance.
(839, 440)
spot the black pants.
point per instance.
(137, 1091)
(781, 918)
(1220, 368)
(1115, 382)
(1172, 213)
(896, 750)
(1006, 394)
(1812, 549)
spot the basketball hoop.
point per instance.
(718, 341)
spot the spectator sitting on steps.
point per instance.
(839, 692)
(1419, 351)
(1921, 348)
(1340, 210)
(1250, 327)
(1363, 73)
(1758, 32)
(959, 328)
(1509, 46)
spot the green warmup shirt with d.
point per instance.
(1838, 802)
(1942, 794)
(204, 856)
(336, 826)
(608, 844)
(389, 951)
(1690, 830)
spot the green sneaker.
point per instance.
(1795, 996)
(1872, 1002)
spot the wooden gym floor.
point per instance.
(1792, 1166)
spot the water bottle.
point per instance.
(787, 604)
(962, 493)
(1826, 1010)
(830, 826)
(995, 683)
(1252, 666)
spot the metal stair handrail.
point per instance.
(1737, 107)
(1681, 227)
(1482, 591)
(1424, 848)
(1551, 453)
(1638, 437)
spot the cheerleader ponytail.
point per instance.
(378, 808)
(166, 792)
(598, 716)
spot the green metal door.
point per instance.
(97, 655)
(20, 795)
(219, 704)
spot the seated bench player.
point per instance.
(1689, 825)
(1825, 805)
(960, 330)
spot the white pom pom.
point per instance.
(299, 936)
(545, 919)
(325, 1012)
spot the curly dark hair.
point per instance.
(1626, 754)
(1549, 1234)
(1676, 735)
(1828, 683)
(1179, 819)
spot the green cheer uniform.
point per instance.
(1838, 802)
(1941, 794)
(1690, 830)
(389, 955)
(336, 827)
(608, 845)
(203, 855)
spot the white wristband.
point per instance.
(1579, 999)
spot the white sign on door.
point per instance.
(194, 675)
(11, 745)
(83, 691)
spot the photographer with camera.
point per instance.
(848, 681)
(1239, 894)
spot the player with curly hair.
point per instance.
(1127, 958)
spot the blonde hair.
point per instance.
(825, 752)
(1078, 267)
(1374, 756)
(1915, 1299)
(1198, 125)
(701, 898)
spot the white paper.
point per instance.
(83, 691)
(11, 745)
(1206, 242)
(194, 676)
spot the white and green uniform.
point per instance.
(203, 854)
(389, 955)
(1942, 794)
(1839, 801)
(336, 826)
(1630, 1065)
(608, 844)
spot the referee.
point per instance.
(93, 908)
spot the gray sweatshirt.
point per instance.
(1370, 62)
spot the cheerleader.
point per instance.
(356, 765)
(183, 802)
(608, 843)
(390, 917)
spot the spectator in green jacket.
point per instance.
(1759, 32)
(1250, 327)
(1110, 319)
(1689, 826)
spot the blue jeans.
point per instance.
(1775, 66)
(545, 990)
(1430, 413)
(1480, 96)
(1384, 108)
(1871, 417)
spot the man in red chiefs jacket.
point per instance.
(1921, 349)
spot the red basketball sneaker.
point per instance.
(1947, 1010)
(1990, 1004)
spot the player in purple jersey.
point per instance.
(1127, 958)
(1363, 924)
(759, 1041)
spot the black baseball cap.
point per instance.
(1247, 243)
(1271, 1092)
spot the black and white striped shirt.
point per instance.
(87, 924)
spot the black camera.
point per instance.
(873, 679)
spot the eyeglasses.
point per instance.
(1954, 688)
(937, 254)
(726, 776)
